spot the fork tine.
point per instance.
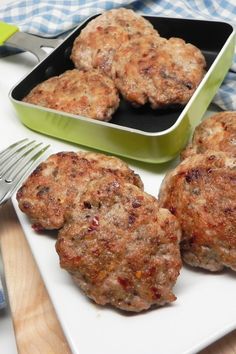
(11, 154)
(24, 164)
(11, 147)
(22, 170)
(15, 163)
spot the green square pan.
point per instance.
(143, 134)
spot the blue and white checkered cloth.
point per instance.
(51, 18)
(2, 296)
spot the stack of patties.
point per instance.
(114, 239)
(119, 52)
(201, 193)
(144, 66)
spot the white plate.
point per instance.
(205, 308)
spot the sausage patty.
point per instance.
(120, 247)
(156, 70)
(87, 93)
(48, 194)
(201, 193)
(216, 133)
(98, 41)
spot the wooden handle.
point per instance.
(35, 323)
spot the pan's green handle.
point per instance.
(6, 31)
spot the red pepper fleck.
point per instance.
(172, 210)
(37, 227)
(124, 282)
(136, 204)
(131, 219)
(94, 224)
(151, 271)
(192, 175)
(26, 205)
(156, 294)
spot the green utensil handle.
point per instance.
(6, 31)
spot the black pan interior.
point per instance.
(208, 36)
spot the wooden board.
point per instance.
(35, 323)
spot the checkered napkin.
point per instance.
(53, 17)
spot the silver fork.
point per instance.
(16, 162)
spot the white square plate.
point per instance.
(205, 308)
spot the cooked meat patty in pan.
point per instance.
(48, 195)
(216, 133)
(98, 41)
(120, 247)
(201, 193)
(87, 93)
(156, 70)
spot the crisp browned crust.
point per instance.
(201, 193)
(99, 40)
(90, 94)
(216, 133)
(156, 70)
(48, 194)
(120, 247)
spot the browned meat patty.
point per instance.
(216, 133)
(87, 93)
(120, 247)
(99, 40)
(156, 70)
(201, 193)
(48, 194)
